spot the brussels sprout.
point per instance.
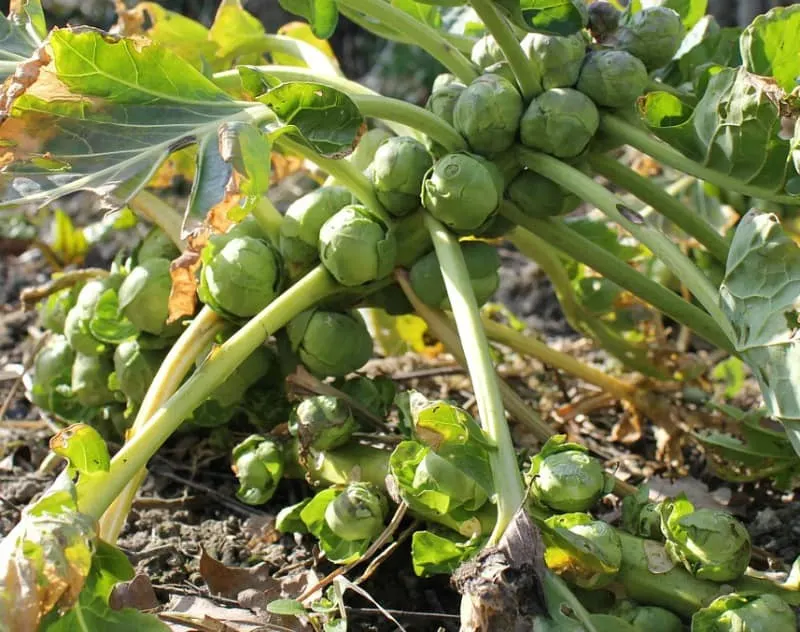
(436, 471)
(604, 20)
(558, 58)
(377, 394)
(487, 114)
(462, 191)
(356, 246)
(606, 547)
(648, 618)
(156, 245)
(399, 166)
(442, 101)
(144, 296)
(445, 79)
(653, 35)
(77, 325)
(537, 196)
(565, 478)
(640, 516)
(368, 144)
(358, 513)
(135, 369)
(299, 235)
(482, 262)
(745, 612)
(711, 544)
(322, 422)
(241, 278)
(560, 122)
(54, 309)
(51, 367)
(90, 375)
(486, 52)
(258, 464)
(612, 78)
(330, 343)
(502, 69)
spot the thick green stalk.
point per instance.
(587, 189)
(156, 210)
(96, 493)
(420, 33)
(507, 480)
(507, 41)
(269, 218)
(679, 214)
(600, 260)
(577, 315)
(625, 133)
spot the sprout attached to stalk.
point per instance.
(612, 78)
(54, 309)
(330, 343)
(90, 375)
(156, 244)
(604, 20)
(564, 477)
(322, 422)
(710, 543)
(537, 196)
(653, 34)
(135, 367)
(463, 191)
(399, 166)
(745, 612)
(557, 58)
(640, 516)
(483, 264)
(78, 323)
(487, 114)
(560, 122)
(144, 296)
(442, 101)
(52, 370)
(486, 51)
(356, 246)
(258, 464)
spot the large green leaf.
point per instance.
(761, 296)
(105, 112)
(736, 129)
(21, 33)
(560, 17)
(769, 46)
(322, 15)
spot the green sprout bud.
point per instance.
(487, 114)
(90, 375)
(745, 612)
(648, 618)
(377, 394)
(436, 472)
(51, 367)
(156, 245)
(258, 464)
(606, 547)
(604, 20)
(135, 369)
(565, 478)
(144, 296)
(445, 79)
(612, 78)
(299, 236)
(537, 196)
(486, 52)
(77, 324)
(398, 169)
(356, 246)
(322, 422)
(653, 35)
(358, 513)
(54, 309)
(442, 101)
(483, 264)
(317, 337)
(559, 58)
(241, 278)
(560, 122)
(640, 516)
(710, 543)
(462, 191)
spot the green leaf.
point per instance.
(238, 34)
(767, 49)
(103, 116)
(559, 17)
(323, 117)
(760, 296)
(336, 549)
(83, 447)
(730, 371)
(321, 14)
(426, 13)
(434, 554)
(289, 607)
(691, 11)
(736, 128)
(108, 324)
(20, 35)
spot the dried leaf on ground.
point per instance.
(228, 581)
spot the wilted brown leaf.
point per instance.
(137, 593)
(227, 581)
(183, 295)
(190, 614)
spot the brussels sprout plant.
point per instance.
(243, 316)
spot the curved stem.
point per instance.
(587, 189)
(96, 493)
(156, 210)
(507, 41)
(628, 134)
(507, 480)
(650, 193)
(600, 260)
(273, 43)
(269, 218)
(423, 35)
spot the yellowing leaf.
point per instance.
(68, 242)
(302, 31)
(413, 330)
